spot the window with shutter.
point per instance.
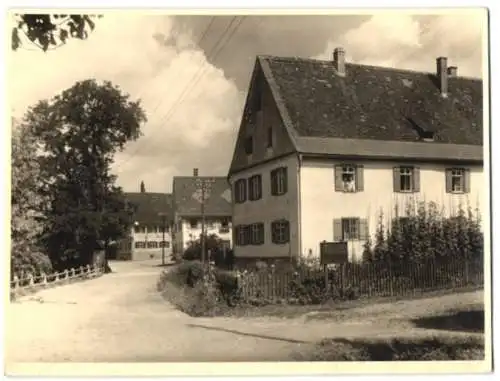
(456, 180)
(350, 229)
(406, 181)
(240, 191)
(280, 231)
(255, 187)
(279, 181)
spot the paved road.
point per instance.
(120, 317)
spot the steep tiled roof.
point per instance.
(149, 205)
(374, 102)
(186, 196)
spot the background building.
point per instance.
(187, 209)
(153, 214)
(325, 146)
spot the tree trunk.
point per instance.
(107, 269)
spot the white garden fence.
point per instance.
(30, 283)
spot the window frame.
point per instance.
(241, 233)
(270, 137)
(152, 244)
(256, 233)
(194, 226)
(240, 191)
(140, 244)
(410, 175)
(280, 232)
(255, 187)
(357, 228)
(279, 188)
(249, 145)
(460, 176)
(349, 169)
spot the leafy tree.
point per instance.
(380, 248)
(214, 244)
(79, 131)
(117, 218)
(25, 202)
(45, 30)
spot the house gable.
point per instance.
(262, 122)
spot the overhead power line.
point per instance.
(202, 70)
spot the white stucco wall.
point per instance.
(320, 204)
(269, 208)
(145, 253)
(189, 233)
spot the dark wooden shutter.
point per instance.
(250, 188)
(360, 181)
(337, 174)
(416, 179)
(363, 229)
(245, 192)
(285, 179)
(273, 232)
(466, 180)
(273, 182)
(397, 179)
(287, 231)
(261, 233)
(259, 186)
(337, 230)
(448, 180)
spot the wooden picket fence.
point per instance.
(365, 280)
(28, 284)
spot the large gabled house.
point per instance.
(323, 146)
(187, 209)
(153, 213)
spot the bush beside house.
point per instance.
(419, 251)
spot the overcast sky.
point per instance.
(193, 89)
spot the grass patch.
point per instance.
(435, 348)
(332, 309)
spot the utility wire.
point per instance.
(196, 78)
(198, 44)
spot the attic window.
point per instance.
(249, 145)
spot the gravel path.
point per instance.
(120, 317)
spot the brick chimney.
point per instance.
(195, 172)
(442, 75)
(452, 71)
(339, 61)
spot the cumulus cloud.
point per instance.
(149, 59)
(413, 42)
(155, 58)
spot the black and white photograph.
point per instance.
(236, 187)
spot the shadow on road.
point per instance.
(267, 337)
(465, 321)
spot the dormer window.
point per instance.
(427, 136)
